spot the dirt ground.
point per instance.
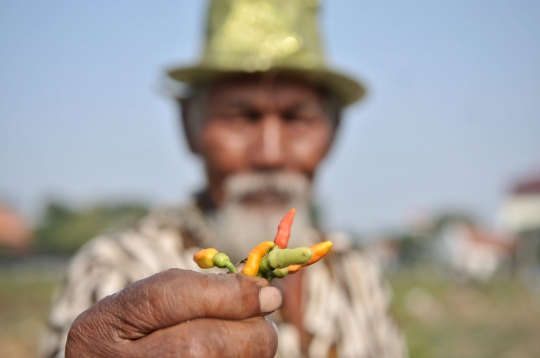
(441, 319)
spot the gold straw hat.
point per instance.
(262, 35)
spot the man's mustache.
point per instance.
(262, 187)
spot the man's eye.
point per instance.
(252, 116)
(300, 117)
(239, 118)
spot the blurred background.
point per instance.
(436, 172)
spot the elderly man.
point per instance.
(262, 111)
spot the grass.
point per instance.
(441, 319)
(24, 304)
(445, 319)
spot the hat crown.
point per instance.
(262, 35)
(256, 35)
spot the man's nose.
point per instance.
(267, 151)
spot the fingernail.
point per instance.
(269, 299)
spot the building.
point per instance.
(520, 215)
(15, 236)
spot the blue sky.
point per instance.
(452, 117)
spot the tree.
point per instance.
(64, 229)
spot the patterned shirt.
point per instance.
(345, 302)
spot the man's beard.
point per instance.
(253, 206)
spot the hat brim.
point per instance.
(344, 87)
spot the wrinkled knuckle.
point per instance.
(75, 338)
(79, 336)
(91, 332)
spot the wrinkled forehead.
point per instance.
(262, 87)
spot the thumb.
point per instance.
(175, 296)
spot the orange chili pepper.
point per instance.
(205, 257)
(319, 251)
(255, 256)
(284, 229)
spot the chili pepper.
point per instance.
(255, 256)
(204, 258)
(221, 260)
(319, 251)
(285, 257)
(294, 268)
(284, 229)
(277, 273)
(265, 267)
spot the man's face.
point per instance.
(263, 124)
(262, 139)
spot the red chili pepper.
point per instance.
(284, 229)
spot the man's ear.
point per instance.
(187, 124)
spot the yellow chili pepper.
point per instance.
(255, 256)
(319, 251)
(205, 257)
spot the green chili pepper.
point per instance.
(221, 260)
(277, 273)
(265, 267)
(285, 257)
(319, 251)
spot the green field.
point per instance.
(441, 319)
(24, 304)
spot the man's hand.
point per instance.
(180, 313)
